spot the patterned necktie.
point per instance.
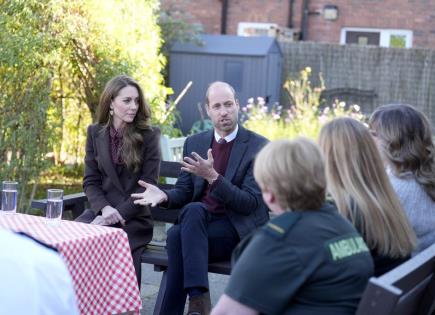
(222, 141)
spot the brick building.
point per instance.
(389, 23)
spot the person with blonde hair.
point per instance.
(121, 148)
(360, 187)
(306, 260)
(404, 137)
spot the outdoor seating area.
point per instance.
(154, 254)
(407, 289)
(217, 157)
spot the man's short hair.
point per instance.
(213, 84)
(294, 172)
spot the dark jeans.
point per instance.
(198, 238)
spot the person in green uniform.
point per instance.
(308, 259)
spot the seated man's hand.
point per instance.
(112, 215)
(152, 195)
(200, 167)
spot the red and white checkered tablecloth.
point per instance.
(98, 258)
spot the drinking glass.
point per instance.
(9, 197)
(54, 204)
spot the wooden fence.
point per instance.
(368, 76)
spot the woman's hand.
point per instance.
(99, 220)
(112, 216)
(152, 196)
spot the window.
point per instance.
(378, 37)
(398, 41)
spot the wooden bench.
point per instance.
(154, 254)
(407, 289)
(76, 203)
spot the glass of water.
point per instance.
(54, 204)
(9, 197)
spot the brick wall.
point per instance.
(205, 12)
(415, 15)
(272, 11)
(208, 12)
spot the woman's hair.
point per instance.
(132, 140)
(294, 172)
(361, 189)
(405, 137)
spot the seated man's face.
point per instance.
(222, 109)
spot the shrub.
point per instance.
(304, 116)
(55, 57)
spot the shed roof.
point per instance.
(229, 45)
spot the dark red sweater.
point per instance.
(221, 154)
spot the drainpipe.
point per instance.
(224, 16)
(290, 14)
(304, 22)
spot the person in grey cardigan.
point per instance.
(404, 137)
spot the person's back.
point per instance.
(359, 185)
(34, 279)
(316, 262)
(309, 259)
(404, 135)
(418, 207)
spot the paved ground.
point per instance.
(151, 280)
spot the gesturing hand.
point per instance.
(111, 215)
(99, 220)
(151, 196)
(200, 167)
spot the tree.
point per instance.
(55, 58)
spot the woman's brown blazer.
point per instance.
(103, 185)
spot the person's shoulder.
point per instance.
(155, 130)
(200, 136)
(151, 131)
(257, 136)
(280, 226)
(254, 137)
(27, 267)
(403, 181)
(17, 243)
(94, 128)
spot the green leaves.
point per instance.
(55, 58)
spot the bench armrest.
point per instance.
(74, 202)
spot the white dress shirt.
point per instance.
(228, 138)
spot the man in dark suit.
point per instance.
(220, 200)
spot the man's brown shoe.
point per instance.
(200, 304)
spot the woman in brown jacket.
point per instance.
(121, 148)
